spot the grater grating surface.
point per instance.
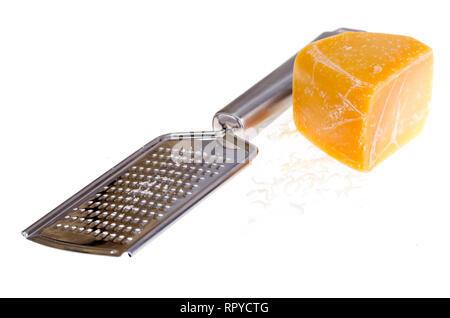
(147, 191)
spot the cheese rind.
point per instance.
(360, 96)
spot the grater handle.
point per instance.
(262, 103)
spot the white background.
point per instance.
(85, 83)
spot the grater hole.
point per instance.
(110, 237)
(119, 238)
(128, 240)
(111, 226)
(103, 224)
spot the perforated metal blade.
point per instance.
(136, 199)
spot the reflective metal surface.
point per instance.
(136, 199)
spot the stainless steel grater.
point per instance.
(136, 199)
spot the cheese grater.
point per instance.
(136, 199)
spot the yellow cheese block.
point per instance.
(360, 96)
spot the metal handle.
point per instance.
(267, 99)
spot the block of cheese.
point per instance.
(360, 96)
